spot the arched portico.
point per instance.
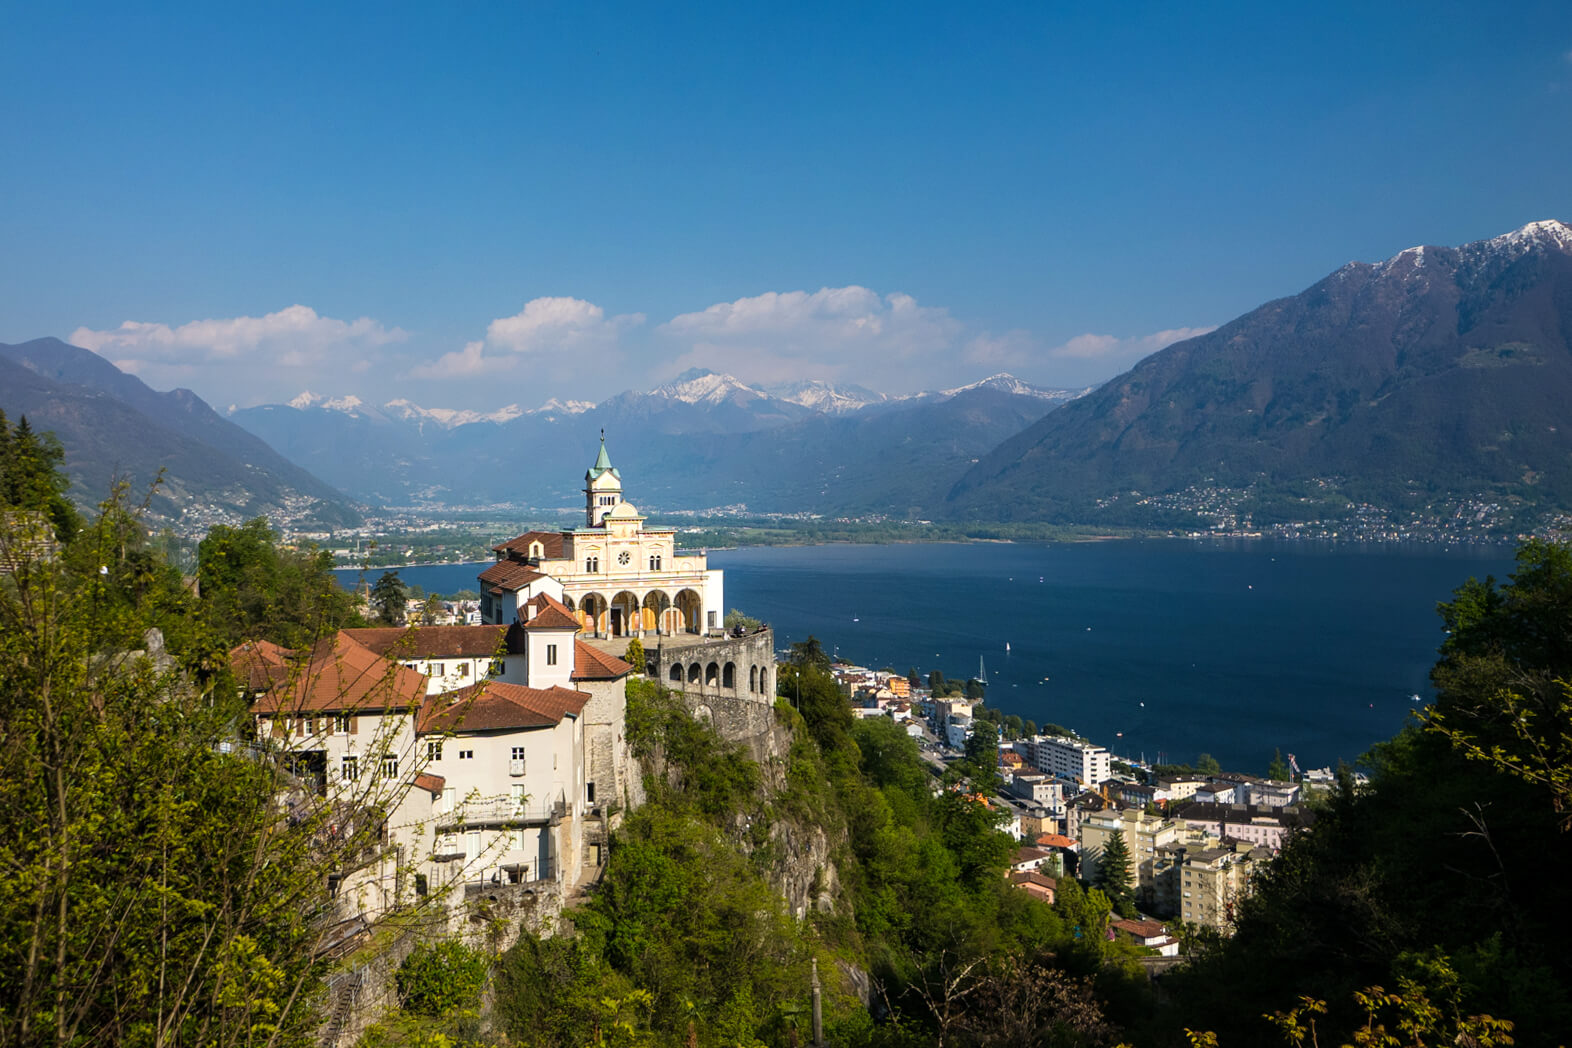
(657, 613)
(691, 609)
(624, 619)
(593, 612)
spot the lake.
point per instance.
(1160, 649)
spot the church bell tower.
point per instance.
(602, 487)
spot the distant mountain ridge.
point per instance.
(696, 441)
(113, 426)
(1439, 370)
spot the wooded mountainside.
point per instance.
(166, 884)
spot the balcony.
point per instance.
(485, 812)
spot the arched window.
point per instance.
(753, 678)
(693, 673)
(676, 672)
(729, 675)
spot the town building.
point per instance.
(616, 576)
(1266, 828)
(1151, 934)
(1144, 836)
(1076, 759)
(1211, 881)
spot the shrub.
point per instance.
(441, 978)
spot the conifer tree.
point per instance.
(1113, 875)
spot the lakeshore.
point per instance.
(1236, 647)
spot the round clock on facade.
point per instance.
(624, 557)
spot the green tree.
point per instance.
(387, 597)
(1277, 770)
(431, 610)
(1504, 681)
(936, 683)
(1029, 728)
(809, 654)
(157, 891)
(981, 760)
(912, 678)
(442, 977)
(1114, 877)
(31, 477)
(634, 655)
(1206, 764)
(736, 619)
(253, 588)
(974, 688)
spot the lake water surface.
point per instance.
(1229, 648)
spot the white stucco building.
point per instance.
(1076, 759)
(494, 780)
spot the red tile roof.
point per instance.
(1033, 877)
(259, 664)
(1029, 855)
(509, 575)
(431, 783)
(593, 664)
(548, 613)
(342, 674)
(496, 706)
(1036, 884)
(1054, 840)
(1140, 929)
(552, 544)
(425, 642)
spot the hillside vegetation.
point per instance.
(159, 892)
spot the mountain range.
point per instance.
(1438, 372)
(115, 428)
(702, 440)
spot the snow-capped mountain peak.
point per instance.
(824, 397)
(449, 418)
(1544, 233)
(1005, 382)
(349, 405)
(562, 407)
(702, 386)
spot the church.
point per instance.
(616, 576)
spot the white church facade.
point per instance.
(617, 577)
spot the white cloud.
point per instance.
(296, 337)
(845, 332)
(471, 360)
(1083, 360)
(550, 332)
(548, 325)
(1108, 348)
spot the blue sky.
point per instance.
(474, 205)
